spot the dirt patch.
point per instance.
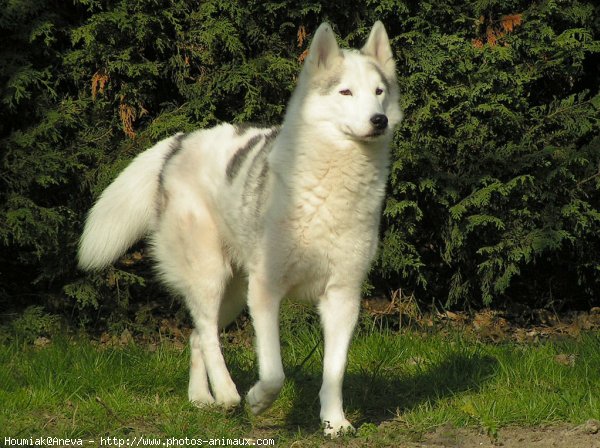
(519, 323)
(555, 436)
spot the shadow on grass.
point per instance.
(376, 398)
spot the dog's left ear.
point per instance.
(378, 47)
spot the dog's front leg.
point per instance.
(263, 303)
(339, 313)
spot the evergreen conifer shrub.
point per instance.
(494, 192)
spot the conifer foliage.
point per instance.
(494, 194)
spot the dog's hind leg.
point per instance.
(198, 390)
(204, 304)
(191, 259)
(231, 305)
(234, 299)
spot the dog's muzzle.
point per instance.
(379, 121)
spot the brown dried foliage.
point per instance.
(127, 114)
(99, 81)
(301, 35)
(496, 29)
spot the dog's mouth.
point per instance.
(374, 134)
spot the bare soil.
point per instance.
(555, 436)
(520, 324)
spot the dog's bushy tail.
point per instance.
(125, 211)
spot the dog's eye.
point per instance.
(346, 92)
(378, 91)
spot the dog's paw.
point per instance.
(200, 399)
(260, 398)
(335, 429)
(230, 400)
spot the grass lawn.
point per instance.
(398, 386)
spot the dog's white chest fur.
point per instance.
(323, 214)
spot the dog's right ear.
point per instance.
(324, 51)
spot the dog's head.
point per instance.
(351, 93)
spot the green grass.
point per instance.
(398, 385)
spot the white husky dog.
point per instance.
(242, 215)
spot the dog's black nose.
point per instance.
(380, 121)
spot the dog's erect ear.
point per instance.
(378, 47)
(324, 50)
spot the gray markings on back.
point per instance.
(256, 178)
(242, 128)
(174, 148)
(235, 163)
